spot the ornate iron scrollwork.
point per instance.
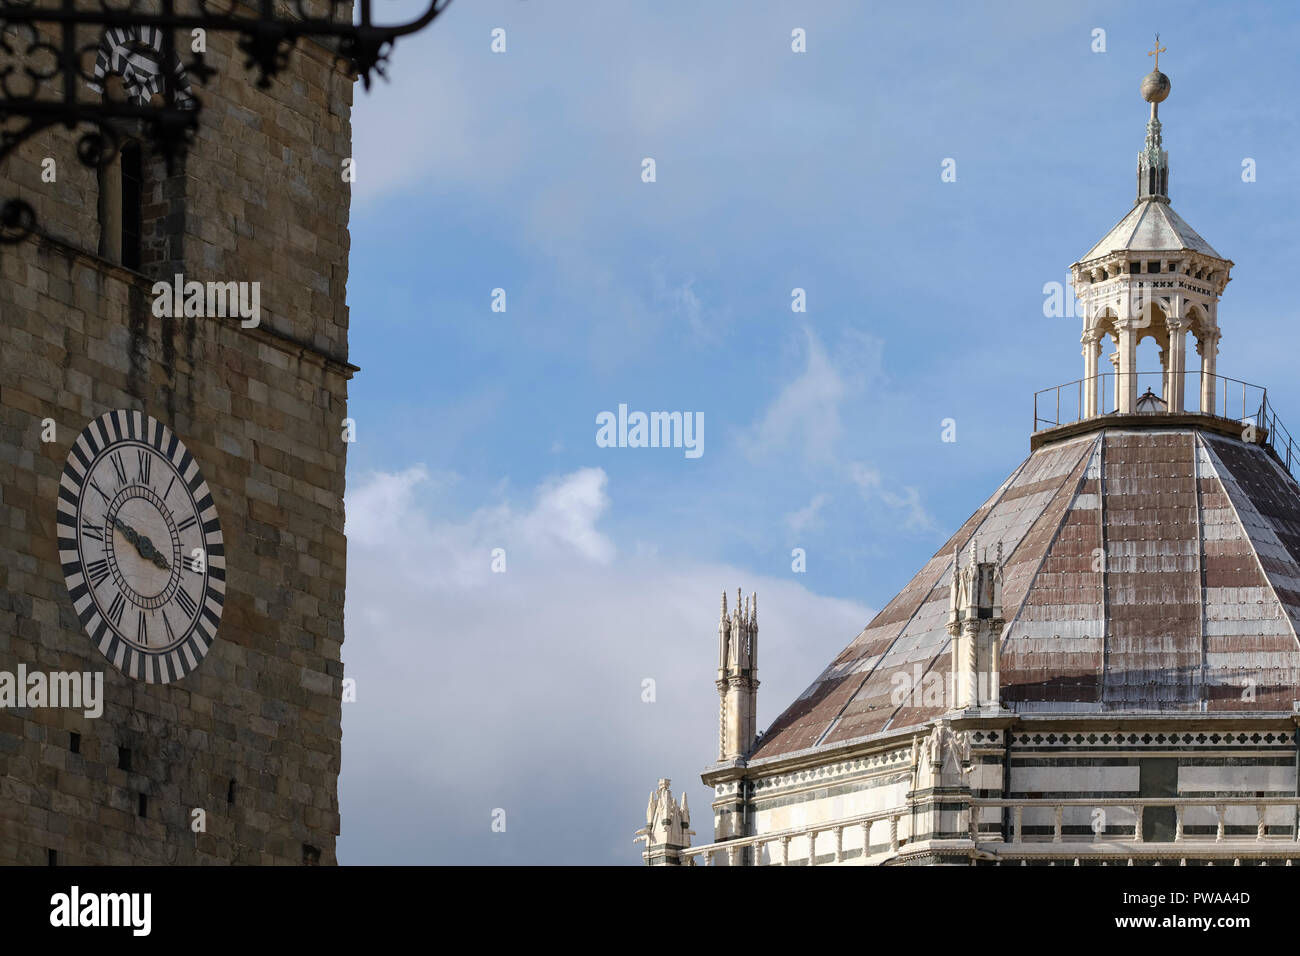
(40, 54)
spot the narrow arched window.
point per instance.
(131, 65)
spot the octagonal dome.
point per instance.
(1151, 226)
(1148, 570)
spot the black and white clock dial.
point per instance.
(141, 548)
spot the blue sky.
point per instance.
(774, 170)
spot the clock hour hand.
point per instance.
(142, 544)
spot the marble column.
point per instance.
(1091, 355)
(1208, 348)
(1126, 399)
(1163, 355)
(1177, 376)
(1115, 376)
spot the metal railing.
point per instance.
(1065, 404)
(1230, 399)
(1278, 438)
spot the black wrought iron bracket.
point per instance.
(47, 78)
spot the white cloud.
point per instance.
(566, 514)
(375, 509)
(805, 414)
(805, 422)
(809, 516)
(384, 514)
(707, 325)
(906, 502)
(522, 691)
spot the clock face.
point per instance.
(141, 548)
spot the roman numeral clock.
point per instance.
(141, 548)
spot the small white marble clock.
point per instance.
(141, 548)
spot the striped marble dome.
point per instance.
(1147, 570)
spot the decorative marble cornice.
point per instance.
(853, 768)
(1139, 740)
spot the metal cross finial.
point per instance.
(1156, 52)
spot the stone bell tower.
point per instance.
(230, 755)
(738, 678)
(975, 624)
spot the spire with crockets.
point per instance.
(737, 677)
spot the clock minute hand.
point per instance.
(142, 544)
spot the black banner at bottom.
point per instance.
(238, 905)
